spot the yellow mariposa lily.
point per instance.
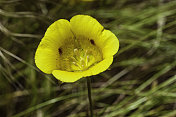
(76, 49)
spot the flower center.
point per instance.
(78, 54)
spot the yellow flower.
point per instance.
(76, 49)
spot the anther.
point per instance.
(75, 50)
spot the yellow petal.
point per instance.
(47, 55)
(108, 43)
(85, 25)
(65, 76)
(101, 66)
(46, 59)
(59, 31)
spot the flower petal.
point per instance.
(46, 59)
(85, 25)
(47, 55)
(59, 31)
(108, 43)
(101, 66)
(65, 76)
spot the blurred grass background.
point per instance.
(141, 82)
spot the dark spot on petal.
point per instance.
(60, 51)
(92, 42)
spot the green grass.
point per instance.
(141, 82)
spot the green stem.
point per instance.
(89, 96)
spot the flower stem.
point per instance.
(89, 96)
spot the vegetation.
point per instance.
(141, 82)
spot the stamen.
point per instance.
(79, 54)
(75, 50)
